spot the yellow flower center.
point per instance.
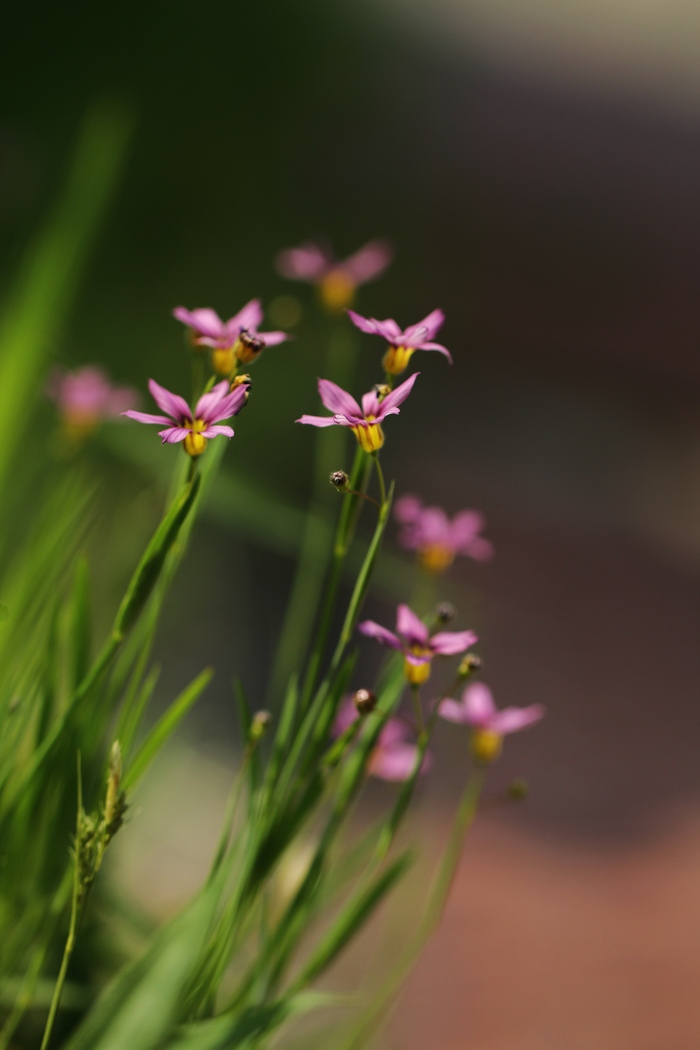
(485, 746)
(223, 361)
(337, 290)
(195, 442)
(436, 558)
(370, 436)
(416, 674)
(395, 360)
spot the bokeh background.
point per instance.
(536, 164)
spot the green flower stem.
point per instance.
(345, 532)
(315, 550)
(380, 477)
(75, 914)
(418, 709)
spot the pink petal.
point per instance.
(320, 421)
(479, 549)
(173, 434)
(273, 338)
(370, 404)
(366, 264)
(478, 704)
(308, 262)
(410, 627)
(394, 763)
(436, 346)
(250, 316)
(453, 711)
(434, 528)
(432, 323)
(209, 402)
(173, 404)
(120, 399)
(513, 719)
(218, 431)
(394, 732)
(397, 396)
(407, 509)
(380, 634)
(466, 525)
(388, 329)
(450, 643)
(146, 417)
(204, 321)
(339, 401)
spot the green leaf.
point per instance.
(48, 280)
(80, 636)
(151, 564)
(164, 727)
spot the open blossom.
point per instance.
(438, 538)
(235, 340)
(489, 725)
(337, 282)
(194, 428)
(396, 753)
(414, 640)
(86, 396)
(365, 422)
(402, 345)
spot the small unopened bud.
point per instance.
(445, 612)
(470, 665)
(113, 781)
(340, 480)
(238, 380)
(260, 724)
(365, 701)
(382, 390)
(248, 347)
(518, 790)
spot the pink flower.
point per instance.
(237, 339)
(438, 539)
(418, 646)
(395, 756)
(86, 397)
(364, 422)
(402, 345)
(182, 424)
(336, 281)
(478, 710)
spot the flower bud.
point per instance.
(340, 480)
(248, 347)
(518, 790)
(365, 701)
(445, 612)
(470, 664)
(238, 380)
(382, 390)
(259, 726)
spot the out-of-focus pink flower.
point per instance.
(414, 640)
(337, 282)
(438, 539)
(237, 339)
(478, 710)
(364, 422)
(402, 345)
(86, 396)
(194, 428)
(395, 756)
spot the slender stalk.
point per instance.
(380, 477)
(418, 708)
(75, 910)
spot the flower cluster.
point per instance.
(233, 342)
(436, 538)
(414, 639)
(337, 282)
(86, 397)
